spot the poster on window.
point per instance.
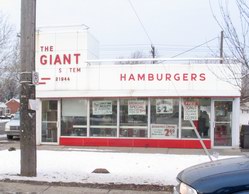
(102, 107)
(136, 107)
(163, 131)
(164, 106)
(190, 111)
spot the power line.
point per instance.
(194, 47)
(140, 21)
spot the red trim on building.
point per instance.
(45, 78)
(121, 142)
(42, 83)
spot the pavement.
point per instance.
(15, 187)
(18, 188)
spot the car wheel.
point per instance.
(9, 137)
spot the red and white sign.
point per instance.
(136, 107)
(163, 131)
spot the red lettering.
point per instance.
(57, 60)
(43, 59)
(50, 59)
(77, 57)
(185, 77)
(66, 59)
(202, 77)
(168, 76)
(141, 77)
(193, 77)
(46, 48)
(131, 78)
(159, 78)
(150, 77)
(177, 77)
(122, 77)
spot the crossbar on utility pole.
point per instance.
(28, 117)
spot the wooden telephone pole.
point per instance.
(153, 53)
(28, 117)
(221, 46)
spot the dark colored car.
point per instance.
(221, 176)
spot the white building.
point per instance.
(142, 105)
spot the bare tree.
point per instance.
(9, 61)
(236, 26)
(136, 55)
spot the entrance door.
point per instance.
(223, 123)
(49, 121)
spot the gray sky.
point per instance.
(173, 26)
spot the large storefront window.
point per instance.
(103, 118)
(74, 117)
(133, 117)
(164, 118)
(198, 110)
(168, 118)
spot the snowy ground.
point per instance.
(77, 166)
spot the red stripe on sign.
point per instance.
(42, 83)
(45, 78)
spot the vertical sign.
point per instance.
(191, 110)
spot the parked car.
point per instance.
(12, 128)
(221, 176)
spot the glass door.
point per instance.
(49, 121)
(223, 123)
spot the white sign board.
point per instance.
(102, 107)
(163, 131)
(136, 107)
(191, 110)
(63, 72)
(164, 106)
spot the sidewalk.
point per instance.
(16, 188)
(221, 151)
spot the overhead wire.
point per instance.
(140, 21)
(194, 47)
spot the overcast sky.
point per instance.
(172, 26)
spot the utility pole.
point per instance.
(153, 53)
(221, 46)
(28, 117)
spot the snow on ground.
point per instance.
(4, 120)
(3, 135)
(77, 166)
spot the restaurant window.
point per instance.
(198, 110)
(74, 117)
(49, 121)
(133, 117)
(164, 118)
(103, 118)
